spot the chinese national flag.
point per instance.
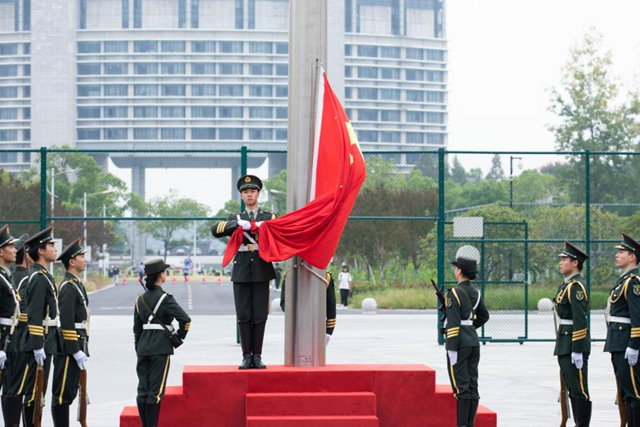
(338, 171)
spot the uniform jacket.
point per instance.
(460, 302)
(73, 304)
(42, 295)
(247, 266)
(21, 283)
(8, 301)
(331, 302)
(156, 342)
(572, 303)
(624, 301)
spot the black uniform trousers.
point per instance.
(464, 374)
(66, 378)
(31, 377)
(627, 378)
(152, 378)
(252, 309)
(576, 380)
(15, 374)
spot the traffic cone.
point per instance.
(204, 280)
(186, 279)
(138, 280)
(174, 280)
(219, 280)
(124, 281)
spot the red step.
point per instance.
(322, 421)
(299, 404)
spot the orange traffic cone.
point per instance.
(186, 279)
(173, 280)
(124, 281)
(204, 280)
(219, 280)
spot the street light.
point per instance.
(84, 209)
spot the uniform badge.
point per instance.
(8, 231)
(449, 302)
(247, 179)
(579, 295)
(636, 290)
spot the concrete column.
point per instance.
(138, 186)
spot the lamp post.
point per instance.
(84, 210)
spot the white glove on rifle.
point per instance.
(246, 225)
(327, 339)
(453, 357)
(3, 359)
(81, 359)
(632, 356)
(39, 356)
(576, 359)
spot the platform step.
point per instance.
(318, 421)
(306, 404)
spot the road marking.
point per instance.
(190, 296)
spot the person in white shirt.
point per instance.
(344, 281)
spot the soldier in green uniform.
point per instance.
(251, 275)
(623, 331)
(14, 372)
(74, 315)
(42, 339)
(573, 342)
(152, 330)
(465, 311)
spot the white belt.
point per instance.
(620, 319)
(566, 322)
(248, 248)
(51, 322)
(6, 321)
(466, 322)
(148, 326)
(82, 325)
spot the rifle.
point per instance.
(39, 392)
(621, 409)
(564, 397)
(83, 399)
(443, 304)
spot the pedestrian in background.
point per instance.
(344, 284)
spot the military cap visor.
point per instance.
(20, 242)
(72, 251)
(5, 237)
(466, 264)
(154, 267)
(249, 181)
(629, 244)
(40, 239)
(572, 251)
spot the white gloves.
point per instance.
(246, 225)
(327, 339)
(453, 357)
(632, 356)
(258, 224)
(81, 359)
(576, 359)
(40, 356)
(3, 359)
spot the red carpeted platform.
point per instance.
(333, 396)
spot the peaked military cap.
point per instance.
(20, 242)
(466, 264)
(154, 267)
(249, 181)
(72, 251)
(572, 251)
(5, 236)
(40, 239)
(629, 244)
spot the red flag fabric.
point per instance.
(232, 247)
(313, 231)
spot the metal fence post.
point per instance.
(243, 171)
(441, 220)
(43, 188)
(526, 280)
(587, 220)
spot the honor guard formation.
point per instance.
(41, 323)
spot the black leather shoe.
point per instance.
(257, 362)
(247, 362)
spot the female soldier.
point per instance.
(465, 312)
(155, 340)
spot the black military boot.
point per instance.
(634, 421)
(257, 362)
(473, 409)
(574, 410)
(257, 332)
(27, 415)
(463, 406)
(60, 415)
(11, 410)
(153, 414)
(583, 413)
(245, 342)
(629, 410)
(142, 412)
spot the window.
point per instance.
(9, 157)
(227, 69)
(115, 133)
(436, 97)
(26, 69)
(86, 113)
(115, 112)
(230, 112)
(116, 47)
(282, 134)
(144, 46)
(260, 90)
(368, 115)
(435, 138)
(116, 68)
(89, 47)
(8, 70)
(173, 68)
(282, 91)
(27, 48)
(348, 93)
(435, 55)
(282, 69)
(173, 112)
(390, 73)
(145, 90)
(415, 95)
(282, 113)
(173, 90)
(8, 92)
(26, 91)
(88, 69)
(389, 52)
(435, 117)
(145, 68)
(203, 133)
(435, 76)
(173, 46)
(260, 112)
(367, 136)
(145, 133)
(261, 69)
(368, 51)
(8, 49)
(390, 136)
(88, 90)
(26, 113)
(348, 71)
(348, 49)
(9, 113)
(116, 90)
(367, 72)
(203, 46)
(390, 115)
(415, 75)
(415, 117)
(230, 47)
(8, 135)
(203, 90)
(233, 134)
(367, 93)
(145, 112)
(231, 90)
(85, 134)
(413, 53)
(415, 138)
(203, 112)
(261, 134)
(203, 68)
(282, 48)
(390, 94)
(173, 133)
(260, 47)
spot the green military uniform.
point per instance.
(623, 331)
(465, 312)
(331, 302)
(153, 344)
(251, 276)
(8, 318)
(572, 308)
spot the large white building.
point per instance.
(211, 73)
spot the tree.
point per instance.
(458, 174)
(495, 173)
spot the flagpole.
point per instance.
(305, 317)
